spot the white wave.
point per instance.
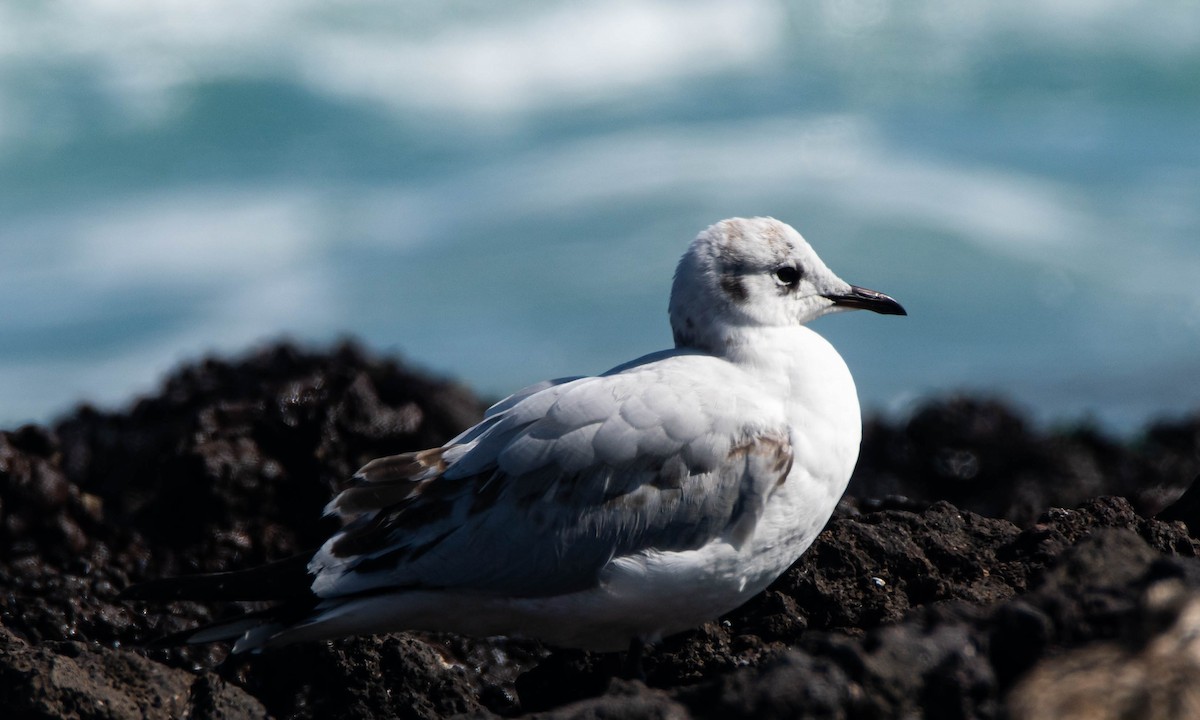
(228, 235)
(458, 56)
(485, 60)
(572, 53)
(234, 239)
(837, 159)
(194, 239)
(246, 265)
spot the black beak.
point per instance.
(865, 299)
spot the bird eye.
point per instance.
(787, 275)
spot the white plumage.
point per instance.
(635, 504)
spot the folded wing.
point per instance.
(559, 480)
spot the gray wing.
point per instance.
(547, 489)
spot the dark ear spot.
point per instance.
(685, 336)
(733, 287)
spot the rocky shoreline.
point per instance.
(978, 568)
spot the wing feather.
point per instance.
(549, 488)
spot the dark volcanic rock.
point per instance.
(228, 467)
(1151, 673)
(981, 456)
(947, 578)
(71, 679)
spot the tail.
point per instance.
(287, 582)
(287, 579)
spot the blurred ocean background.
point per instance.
(499, 192)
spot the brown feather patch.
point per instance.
(394, 468)
(388, 481)
(367, 498)
(773, 446)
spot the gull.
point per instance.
(599, 512)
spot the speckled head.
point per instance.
(757, 272)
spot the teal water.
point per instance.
(500, 193)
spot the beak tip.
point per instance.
(865, 299)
